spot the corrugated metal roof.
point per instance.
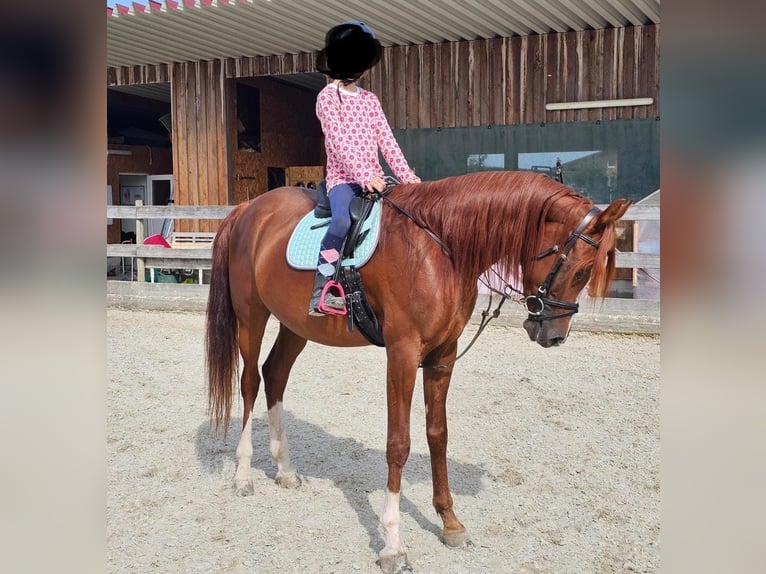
(190, 30)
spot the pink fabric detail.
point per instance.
(355, 128)
(330, 255)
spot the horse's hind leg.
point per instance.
(276, 371)
(250, 338)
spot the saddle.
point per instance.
(358, 247)
(359, 210)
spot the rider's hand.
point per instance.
(376, 184)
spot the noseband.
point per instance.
(537, 303)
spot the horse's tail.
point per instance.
(221, 350)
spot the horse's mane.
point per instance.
(497, 217)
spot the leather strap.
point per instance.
(359, 310)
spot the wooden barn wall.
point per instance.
(500, 81)
(201, 142)
(290, 135)
(508, 81)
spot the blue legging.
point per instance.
(340, 198)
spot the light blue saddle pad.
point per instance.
(303, 247)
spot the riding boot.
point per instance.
(329, 253)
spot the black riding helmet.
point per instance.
(350, 49)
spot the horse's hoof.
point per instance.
(395, 564)
(455, 538)
(244, 487)
(288, 479)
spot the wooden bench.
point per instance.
(191, 238)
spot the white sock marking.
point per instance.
(390, 522)
(279, 450)
(245, 451)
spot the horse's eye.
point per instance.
(582, 275)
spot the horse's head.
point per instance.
(578, 253)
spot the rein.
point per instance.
(486, 317)
(384, 196)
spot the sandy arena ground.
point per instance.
(553, 454)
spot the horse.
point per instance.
(422, 288)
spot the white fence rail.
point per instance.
(194, 251)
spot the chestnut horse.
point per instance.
(521, 224)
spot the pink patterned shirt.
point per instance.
(355, 127)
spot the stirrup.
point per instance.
(322, 307)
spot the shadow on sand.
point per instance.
(353, 468)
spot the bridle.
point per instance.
(537, 303)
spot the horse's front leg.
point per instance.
(401, 372)
(435, 386)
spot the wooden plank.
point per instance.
(200, 257)
(423, 85)
(180, 153)
(629, 62)
(386, 90)
(449, 78)
(536, 79)
(224, 151)
(653, 79)
(436, 54)
(616, 315)
(174, 262)
(479, 88)
(646, 67)
(630, 260)
(157, 296)
(121, 250)
(638, 212)
(158, 251)
(554, 54)
(610, 315)
(196, 117)
(399, 80)
(222, 127)
(525, 89)
(168, 211)
(213, 148)
(412, 101)
(596, 75)
(497, 81)
(201, 153)
(571, 70)
(513, 88)
(463, 96)
(608, 72)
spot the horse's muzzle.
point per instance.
(544, 334)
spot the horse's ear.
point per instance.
(612, 213)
